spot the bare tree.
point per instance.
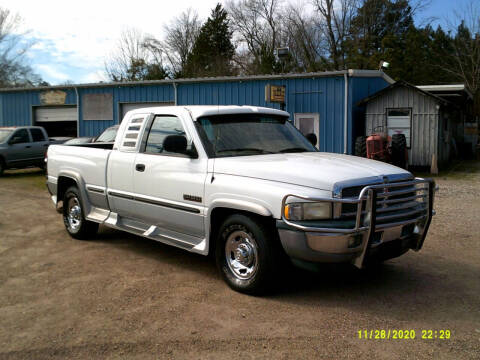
(465, 56)
(305, 40)
(135, 58)
(334, 20)
(180, 37)
(14, 70)
(257, 29)
(120, 66)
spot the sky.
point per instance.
(73, 38)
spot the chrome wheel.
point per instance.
(241, 253)
(74, 214)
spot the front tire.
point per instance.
(74, 217)
(245, 254)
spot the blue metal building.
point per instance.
(324, 100)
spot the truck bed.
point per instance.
(89, 161)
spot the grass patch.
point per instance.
(33, 177)
(458, 170)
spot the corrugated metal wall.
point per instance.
(322, 94)
(122, 94)
(424, 142)
(16, 107)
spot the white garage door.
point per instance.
(60, 113)
(124, 108)
(58, 121)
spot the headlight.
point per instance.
(308, 211)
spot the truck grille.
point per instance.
(394, 204)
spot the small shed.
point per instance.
(430, 123)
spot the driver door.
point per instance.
(170, 186)
(19, 149)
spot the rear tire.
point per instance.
(399, 150)
(361, 146)
(246, 254)
(2, 166)
(74, 217)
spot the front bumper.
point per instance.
(365, 239)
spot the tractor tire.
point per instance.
(361, 146)
(399, 150)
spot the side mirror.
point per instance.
(175, 144)
(312, 139)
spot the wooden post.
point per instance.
(434, 166)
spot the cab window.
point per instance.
(162, 126)
(20, 136)
(37, 135)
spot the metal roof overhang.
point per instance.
(350, 72)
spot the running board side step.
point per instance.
(152, 232)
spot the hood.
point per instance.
(313, 169)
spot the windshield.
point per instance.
(108, 135)
(250, 134)
(4, 134)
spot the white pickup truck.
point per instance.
(243, 183)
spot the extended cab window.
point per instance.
(20, 136)
(37, 135)
(162, 127)
(250, 134)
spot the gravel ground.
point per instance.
(123, 296)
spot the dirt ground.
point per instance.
(123, 296)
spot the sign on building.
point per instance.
(275, 93)
(53, 97)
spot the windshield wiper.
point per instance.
(293, 149)
(261, 151)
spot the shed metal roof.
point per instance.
(401, 83)
(445, 89)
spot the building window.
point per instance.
(399, 121)
(308, 123)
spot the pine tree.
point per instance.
(377, 31)
(213, 50)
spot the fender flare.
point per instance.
(238, 204)
(80, 185)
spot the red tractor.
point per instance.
(381, 146)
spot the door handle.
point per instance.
(140, 167)
(27, 147)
